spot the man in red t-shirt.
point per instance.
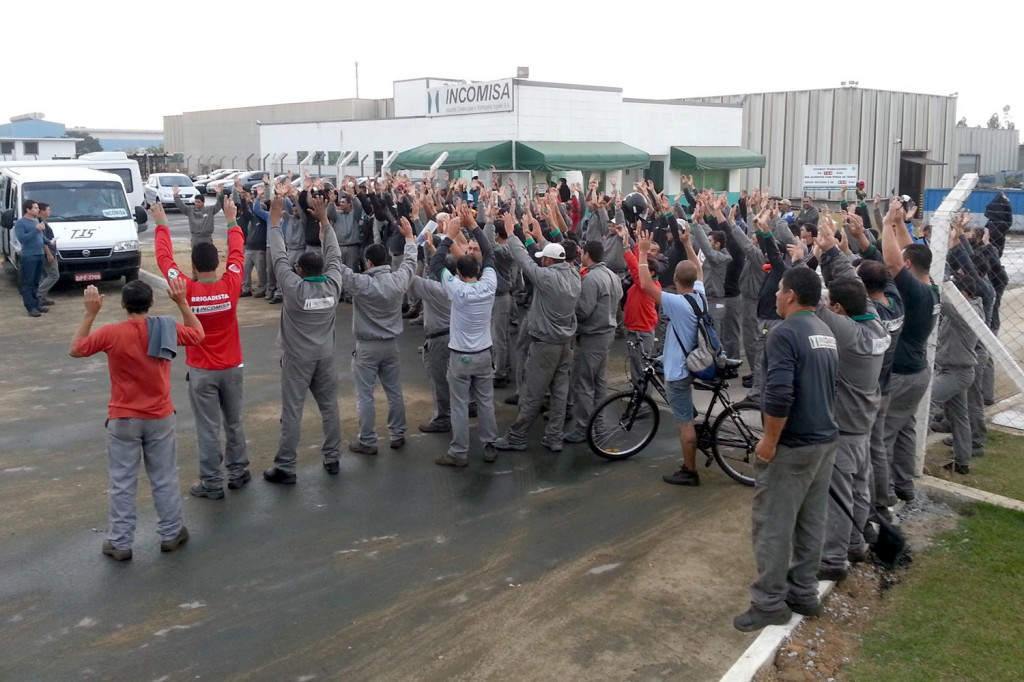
(215, 367)
(140, 423)
(640, 313)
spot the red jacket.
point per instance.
(214, 303)
(640, 313)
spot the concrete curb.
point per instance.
(763, 650)
(155, 281)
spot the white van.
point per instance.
(96, 229)
(117, 163)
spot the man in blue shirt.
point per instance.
(29, 232)
(680, 335)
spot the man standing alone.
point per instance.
(29, 232)
(794, 457)
(200, 218)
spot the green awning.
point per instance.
(581, 156)
(461, 156)
(714, 158)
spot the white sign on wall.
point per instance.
(470, 98)
(825, 178)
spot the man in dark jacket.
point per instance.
(1000, 217)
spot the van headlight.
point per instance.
(129, 245)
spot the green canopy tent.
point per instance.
(461, 156)
(585, 156)
(714, 158)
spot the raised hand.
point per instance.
(177, 290)
(276, 211)
(157, 211)
(230, 210)
(406, 228)
(318, 209)
(93, 299)
(644, 241)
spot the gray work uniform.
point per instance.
(715, 265)
(377, 296)
(307, 339)
(751, 279)
(550, 326)
(600, 292)
(501, 316)
(956, 361)
(346, 228)
(436, 323)
(200, 221)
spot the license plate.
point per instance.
(88, 276)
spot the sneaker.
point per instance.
(43, 300)
(754, 618)
(490, 453)
(948, 441)
(447, 460)
(360, 449)
(553, 446)
(115, 553)
(836, 575)
(506, 444)
(332, 468)
(397, 443)
(237, 483)
(435, 427)
(807, 609)
(245, 294)
(34, 312)
(682, 477)
(510, 400)
(574, 437)
(962, 469)
(177, 541)
(200, 490)
(275, 475)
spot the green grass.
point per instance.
(1000, 471)
(959, 613)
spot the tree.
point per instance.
(86, 144)
(993, 122)
(155, 150)
(962, 123)
(1007, 118)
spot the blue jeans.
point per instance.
(31, 275)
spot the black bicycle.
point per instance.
(625, 423)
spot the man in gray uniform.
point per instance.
(346, 227)
(377, 296)
(794, 457)
(600, 292)
(551, 325)
(436, 322)
(501, 317)
(307, 338)
(716, 261)
(200, 217)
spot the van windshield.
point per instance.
(80, 201)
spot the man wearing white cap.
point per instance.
(551, 324)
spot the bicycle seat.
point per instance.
(732, 364)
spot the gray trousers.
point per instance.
(749, 331)
(350, 254)
(320, 378)
(501, 335)
(271, 290)
(217, 394)
(988, 385)
(949, 389)
(293, 255)
(523, 343)
(763, 327)
(851, 476)
(435, 360)
(151, 442)
(373, 360)
(976, 403)
(905, 393)
(254, 258)
(589, 375)
(636, 360)
(788, 513)
(730, 330)
(471, 378)
(51, 275)
(880, 463)
(549, 365)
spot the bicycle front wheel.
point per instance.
(623, 425)
(733, 438)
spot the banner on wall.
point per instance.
(470, 98)
(827, 178)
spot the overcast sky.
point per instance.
(153, 59)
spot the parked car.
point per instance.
(201, 185)
(160, 187)
(249, 179)
(224, 183)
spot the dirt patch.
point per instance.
(821, 648)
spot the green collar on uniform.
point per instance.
(863, 318)
(316, 278)
(802, 312)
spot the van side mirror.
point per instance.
(7, 219)
(141, 218)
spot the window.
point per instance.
(31, 148)
(6, 147)
(968, 163)
(299, 156)
(74, 201)
(378, 162)
(126, 177)
(332, 158)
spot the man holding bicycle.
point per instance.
(681, 334)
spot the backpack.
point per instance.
(707, 358)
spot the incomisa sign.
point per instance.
(470, 98)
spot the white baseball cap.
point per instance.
(551, 250)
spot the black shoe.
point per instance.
(200, 490)
(490, 453)
(836, 575)
(947, 441)
(807, 609)
(754, 619)
(332, 468)
(360, 449)
(682, 477)
(43, 309)
(748, 381)
(512, 399)
(275, 475)
(397, 443)
(434, 427)
(905, 495)
(237, 483)
(177, 541)
(858, 555)
(115, 553)
(46, 301)
(275, 299)
(962, 469)
(34, 312)
(245, 294)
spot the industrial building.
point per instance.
(28, 137)
(122, 140)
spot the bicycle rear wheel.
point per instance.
(623, 425)
(733, 439)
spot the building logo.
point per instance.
(433, 102)
(471, 98)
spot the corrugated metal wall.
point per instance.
(842, 126)
(998, 149)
